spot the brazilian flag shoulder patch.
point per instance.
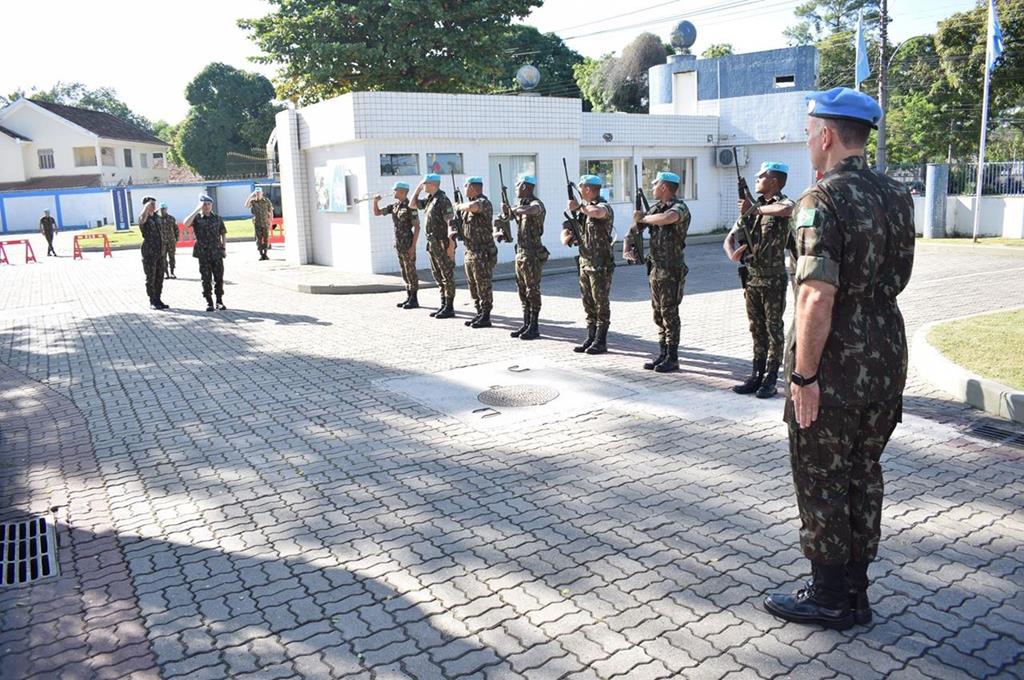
(805, 218)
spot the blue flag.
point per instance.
(863, 69)
(994, 44)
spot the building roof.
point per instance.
(101, 123)
(54, 182)
(12, 133)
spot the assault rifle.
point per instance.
(457, 220)
(572, 221)
(743, 189)
(635, 238)
(506, 210)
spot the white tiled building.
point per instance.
(372, 139)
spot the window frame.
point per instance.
(460, 170)
(143, 160)
(128, 158)
(686, 171)
(621, 177)
(158, 160)
(42, 155)
(400, 172)
(81, 161)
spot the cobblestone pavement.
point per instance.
(246, 494)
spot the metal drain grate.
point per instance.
(28, 551)
(512, 396)
(997, 434)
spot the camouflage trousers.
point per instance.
(262, 238)
(153, 266)
(766, 303)
(407, 263)
(666, 295)
(838, 479)
(170, 249)
(212, 273)
(442, 267)
(529, 270)
(479, 272)
(595, 287)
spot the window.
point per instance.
(143, 160)
(107, 156)
(158, 160)
(127, 158)
(616, 177)
(399, 164)
(511, 168)
(46, 159)
(444, 163)
(85, 156)
(785, 81)
(681, 166)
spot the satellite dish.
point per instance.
(683, 35)
(528, 77)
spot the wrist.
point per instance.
(803, 379)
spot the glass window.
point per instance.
(158, 160)
(511, 168)
(127, 158)
(399, 164)
(616, 177)
(444, 163)
(681, 166)
(107, 156)
(85, 156)
(143, 160)
(46, 159)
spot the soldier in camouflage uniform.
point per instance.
(846, 360)
(767, 226)
(668, 220)
(210, 234)
(530, 253)
(437, 208)
(262, 212)
(596, 262)
(481, 253)
(169, 234)
(152, 253)
(406, 220)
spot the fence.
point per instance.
(998, 179)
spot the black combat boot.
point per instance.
(483, 320)
(448, 310)
(531, 332)
(752, 383)
(825, 601)
(526, 324)
(160, 304)
(153, 304)
(209, 303)
(220, 303)
(404, 302)
(476, 317)
(437, 311)
(600, 344)
(671, 362)
(591, 332)
(767, 389)
(650, 365)
(412, 302)
(857, 575)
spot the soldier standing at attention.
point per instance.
(668, 220)
(530, 253)
(152, 252)
(169, 234)
(597, 264)
(846, 357)
(481, 253)
(407, 232)
(440, 246)
(262, 212)
(48, 227)
(766, 279)
(210, 249)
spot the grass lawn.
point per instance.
(982, 241)
(132, 237)
(991, 345)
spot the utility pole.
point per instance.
(883, 81)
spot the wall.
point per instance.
(1001, 216)
(22, 213)
(340, 240)
(50, 132)
(85, 209)
(744, 75)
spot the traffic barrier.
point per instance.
(77, 250)
(186, 236)
(30, 255)
(276, 230)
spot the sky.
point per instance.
(148, 50)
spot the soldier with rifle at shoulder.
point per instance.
(531, 254)
(473, 215)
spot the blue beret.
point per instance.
(844, 104)
(163, 206)
(592, 180)
(772, 166)
(203, 198)
(667, 177)
(527, 179)
(401, 185)
(474, 180)
(432, 177)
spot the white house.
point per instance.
(47, 146)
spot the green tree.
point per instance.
(587, 75)
(625, 82)
(230, 111)
(821, 18)
(327, 47)
(717, 50)
(555, 60)
(78, 94)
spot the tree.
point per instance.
(326, 47)
(78, 94)
(821, 18)
(555, 60)
(231, 111)
(587, 75)
(717, 50)
(625, 82)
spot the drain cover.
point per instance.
(995, 433)
(28, 551)
(512, 396)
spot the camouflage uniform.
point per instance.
(438, 208)
(406, 221)
(597, 265)
(46, 226)
(854, 230)
(210, 253)
(152, 257)
(530, 254)
(169, 233)
(262, 212)
(666, 270)
(481, 253)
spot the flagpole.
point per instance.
(981, 146)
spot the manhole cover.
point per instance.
(28, 551)
(512, 396)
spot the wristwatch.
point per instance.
(801, 381)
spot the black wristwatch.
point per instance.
(801, 381)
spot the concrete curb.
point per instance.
(981, 393)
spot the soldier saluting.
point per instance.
(210, 249)
(407, 232)
(262, 210)
(596, 263)
(169, 234)
(531, 254)
(437, 208)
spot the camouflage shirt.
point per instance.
(596, 239)
(168, 228)
(438, 208)
(477, 226)
(406, 220)
(208, 230)
(668, 241)
(152, 241)
(530, 230)
(772, 236)
(262, 212)
(855, 231)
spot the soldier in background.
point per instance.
(440, 245)
(596, 263)
(169, 234)
(481, 253)
(48, 227)
(407, 232)
(262, 213)
(152, 253)
(210, 249)
(531, 254)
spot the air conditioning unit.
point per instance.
(724, 157)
